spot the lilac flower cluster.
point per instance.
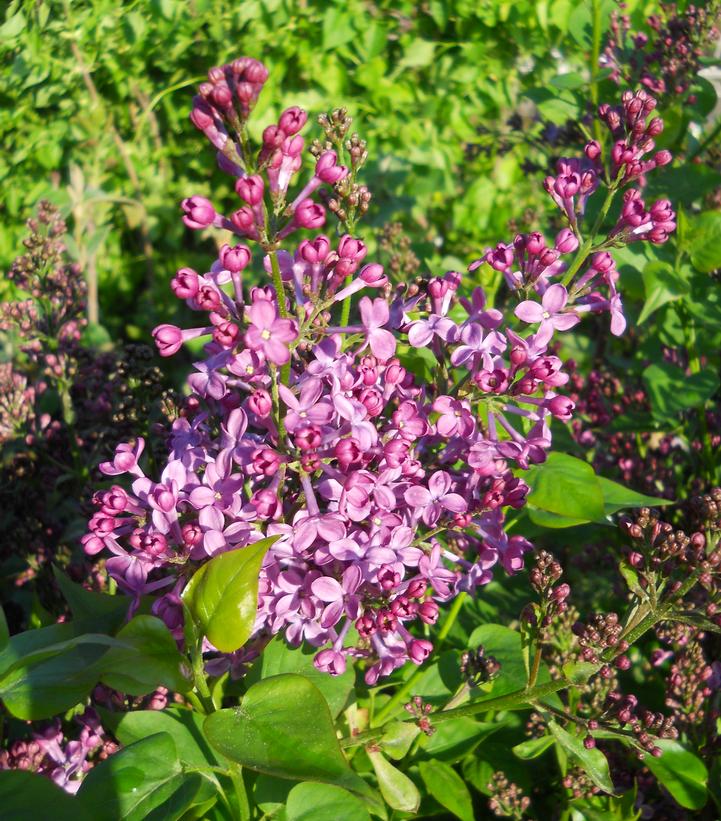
(64, 761)
(666, 60)
(306, 421)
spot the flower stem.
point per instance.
(345, 312)
(587, 247)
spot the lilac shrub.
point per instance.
(306, 418)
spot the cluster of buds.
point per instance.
(420, 710)
(65, 761)
(579, 784)
(706, 509)
(507, 799)
(602, 638)
(477, 667)
(403, 264)
(647, 727)
(665, 60)
(634, 136)
(544, 577)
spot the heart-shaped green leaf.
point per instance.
(278, 658)
(222, 596)
(149, 658)
(28, 795)
(283, 727)
(144, 780)
(682, 773)
(311, 801)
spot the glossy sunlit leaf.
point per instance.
(148, 659)
(681, 772)
(283, 727)
(311, 801)
(146, 777)
(222, 596)
(567, 487)
(399, 792)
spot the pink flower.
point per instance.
(268, 333)
(433, 500)
(550, 311)
(199, 212)
(374, 315)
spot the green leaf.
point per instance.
(12, 27)
(223, 595)
(705, 242)
(504, 645)
(53, 679)
(593, 762)
(672, 391)
(4, 632)
(662, 284)
(566, 486)
(310, 801)
(533, 747)
(337, 27)
(107, 612)
(419, 53)
(617, 497)
(150, 658)
(397, 739)
(447, 787)
(399, 792)
(682, 773)
(25, 795)
(278, 658)
(183, 725)
(571, 80)
(143, 781)
(283, 727)
(455, 739)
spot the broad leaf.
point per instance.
(223, 595)
(150, 658)
(311, 801)
(46, 687)
(447, 787)
(672, 391)
(593, 762)
(144, 780)
(183, 725)
(682, 773)
(25, 795)
(284, 728)
(566, 486)
(533, 747)
(279, 658)
(105, 611)
(399, 792)
(662, 284)
(705, 242)
(617, 497)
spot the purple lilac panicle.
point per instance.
(387, 492)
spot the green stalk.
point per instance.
(236, 775)
(345, 312)
(595, 60)
(587, 247)
(280, 294)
